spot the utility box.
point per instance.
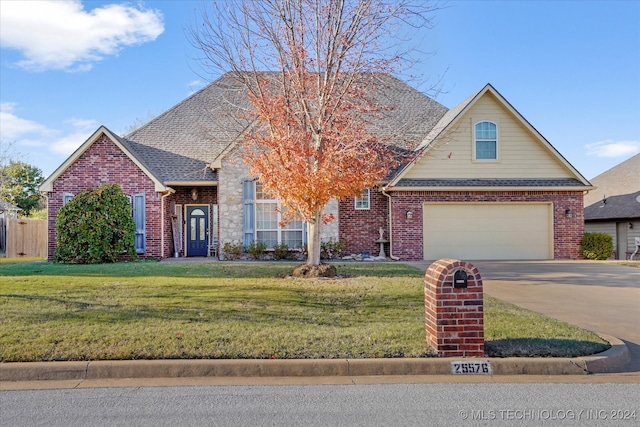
(454, 308)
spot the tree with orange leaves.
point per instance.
(313, 137)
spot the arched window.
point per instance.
(486, 141)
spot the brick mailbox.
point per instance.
(454, 313)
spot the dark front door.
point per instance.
(197, 230)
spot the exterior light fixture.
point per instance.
(409, 215)
(568, 213)
(194, 193)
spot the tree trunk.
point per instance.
(313, 239)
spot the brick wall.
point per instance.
(407, 233)
(454, 317)
(359, 228)
(105, 163)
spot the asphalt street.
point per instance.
(328, 405)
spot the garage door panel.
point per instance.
(488, 231)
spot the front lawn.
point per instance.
(168, 310)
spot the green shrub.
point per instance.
(256, 250)
(331, 249)
(96, 226)
(281, 251)
(232, 250)
(596, 246)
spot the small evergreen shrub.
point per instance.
(96, 226)
(281, 251)
(232, 250)
(256, 250)
(596, 246)
(332, 249)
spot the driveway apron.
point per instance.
(597, 296)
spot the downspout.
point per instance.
(395, 258)
(169, 192)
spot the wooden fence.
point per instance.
(26, 238)
(3, 234)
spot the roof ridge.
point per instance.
(173, 107)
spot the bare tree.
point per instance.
(310, 67)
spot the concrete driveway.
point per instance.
(597, 296)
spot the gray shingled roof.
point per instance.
(446, 119)
(177, 145)
(6, 206)
(623, 178)
(490, 182)
(412, 114)
(624, 206)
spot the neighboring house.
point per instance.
(482, 183)
(614, 206)
(7, 210)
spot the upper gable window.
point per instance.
(486, 141)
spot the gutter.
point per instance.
(395, 258)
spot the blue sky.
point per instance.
(571, 68)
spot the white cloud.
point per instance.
(27, 133)
(80, 130)
(13, 127)
(62, 35)
(610, 148)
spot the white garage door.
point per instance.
(479, 231)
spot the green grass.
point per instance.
(150, 310)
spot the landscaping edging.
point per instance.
(607, 361)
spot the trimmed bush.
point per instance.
(96, 226)
(332, 249)
(256, 250)
(596, 246)
(281, 251)
(232, 250)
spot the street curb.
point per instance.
(607, 361)
(610, 360)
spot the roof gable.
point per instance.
(524, 154)
(121, 143)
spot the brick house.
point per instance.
(481, 183)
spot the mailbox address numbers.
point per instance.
(481, 368)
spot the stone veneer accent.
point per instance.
(454, 317)
(230, 178)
